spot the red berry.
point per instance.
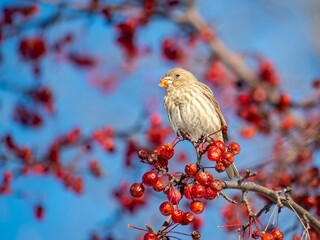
(150, 236)
(219, 144)
(198, 191)
(166, 208)
(136, 190)
(190, 169)
(174, 195)
(166, 151)
(220, 167)
(216, 185)
(187, 191)
(159, 186)
(214, 153)
(210, 193)
(187, 218)
(256, 234)
(267, 236)
(150, 178)
(142, 154)
(204, 178)
(278, 235)
(227, 159)
(234, 148)
(177, 216)
(197, 207)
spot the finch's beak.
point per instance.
(165, 81)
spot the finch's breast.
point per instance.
(190, 110)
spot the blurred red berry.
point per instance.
(32, 48)
(95, 168)
(267, 72)
(27, 116)
(171, 50)
(82, 60)
(126, 37)
(7, 177)
(196, 225)
(215, 72)
(284, 101)
(316, 83)
(39, 212)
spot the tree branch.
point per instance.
(275, 197)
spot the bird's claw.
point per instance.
(184, 135)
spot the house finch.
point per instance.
(191, 108)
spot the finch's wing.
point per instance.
(209, 94)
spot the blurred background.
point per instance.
(71, 68)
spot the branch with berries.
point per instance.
(281, 198)
(198, 187)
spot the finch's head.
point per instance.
(177, 77)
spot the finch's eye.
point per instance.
(177, 75)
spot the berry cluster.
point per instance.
(195, 184)
(275, 234)
(223, 155)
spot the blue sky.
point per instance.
(283, 32)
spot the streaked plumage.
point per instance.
(191, 107)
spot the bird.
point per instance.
(192, 108)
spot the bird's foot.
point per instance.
(184, 135)
(205, 138)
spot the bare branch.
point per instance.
(274, 197)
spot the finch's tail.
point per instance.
(232, 171)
